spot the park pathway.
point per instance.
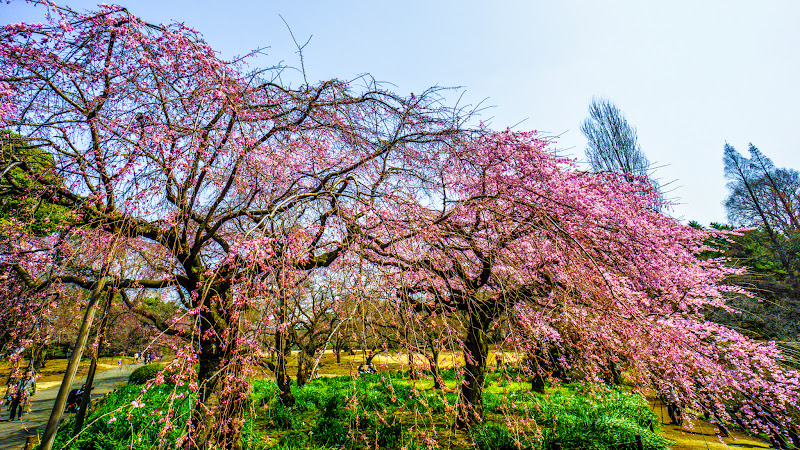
(13, 435)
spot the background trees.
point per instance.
(766, 197)
(613, 145)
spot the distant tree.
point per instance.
(761, 194)
(36, 211)
(613, 145)
(766, 197)
(314, 316)
(772, 314)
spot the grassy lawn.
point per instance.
(388, 410)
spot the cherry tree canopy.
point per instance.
(591, 275)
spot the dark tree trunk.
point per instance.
(412, 369)
(537, 373)
(435, 371)
(537, 378)
(75, 357)
(304, 364)
(210, 359)
(38, 357)
(87, 393)
(372, 356)
(616, 375)
(338, 355)
(282, 378)
(216, 419)
(476, 351)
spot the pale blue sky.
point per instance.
(690, 75)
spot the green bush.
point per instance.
(361, 418)
(264, 392)
(283, 417)
(389, 436)
(450, 374)
(130, 427)
(329, 431)
(310, 397)
(293, 440)
(594, 417)
(372, 399)
(145, 373)
(491, 436)
(334, 406)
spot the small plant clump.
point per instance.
(145, 373)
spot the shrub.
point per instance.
(490, 436)
(329, 431)
(264, 392)
(594, 417)
(293, 440)
(131, 428)
(310, 396)
(334, 406)
(361, 418)
(372, 399)
(389, 436)
(145, 373)
(450, 374)
(283, 417)
(491, 402)
(394, 392)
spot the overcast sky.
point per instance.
(689, 75)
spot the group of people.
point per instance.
(365, 369)
(18, 394)
(147, 358)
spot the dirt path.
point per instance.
(700, 435)
(13, 435)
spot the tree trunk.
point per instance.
(412, 369)
(537, 380)
(38, 356)
(75, 357)
(338, 351)
(435, 371)
(282, 378)
(616, 375)
(476, 351)
(218, 415)
(543, 362)
(304, 364)
(87, 393)
(209, 361)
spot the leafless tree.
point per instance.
(613, 144)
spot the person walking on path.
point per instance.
(11, 390)
(673, 406)
(26, 388)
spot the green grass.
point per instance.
(388, 411)
(118, 425)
